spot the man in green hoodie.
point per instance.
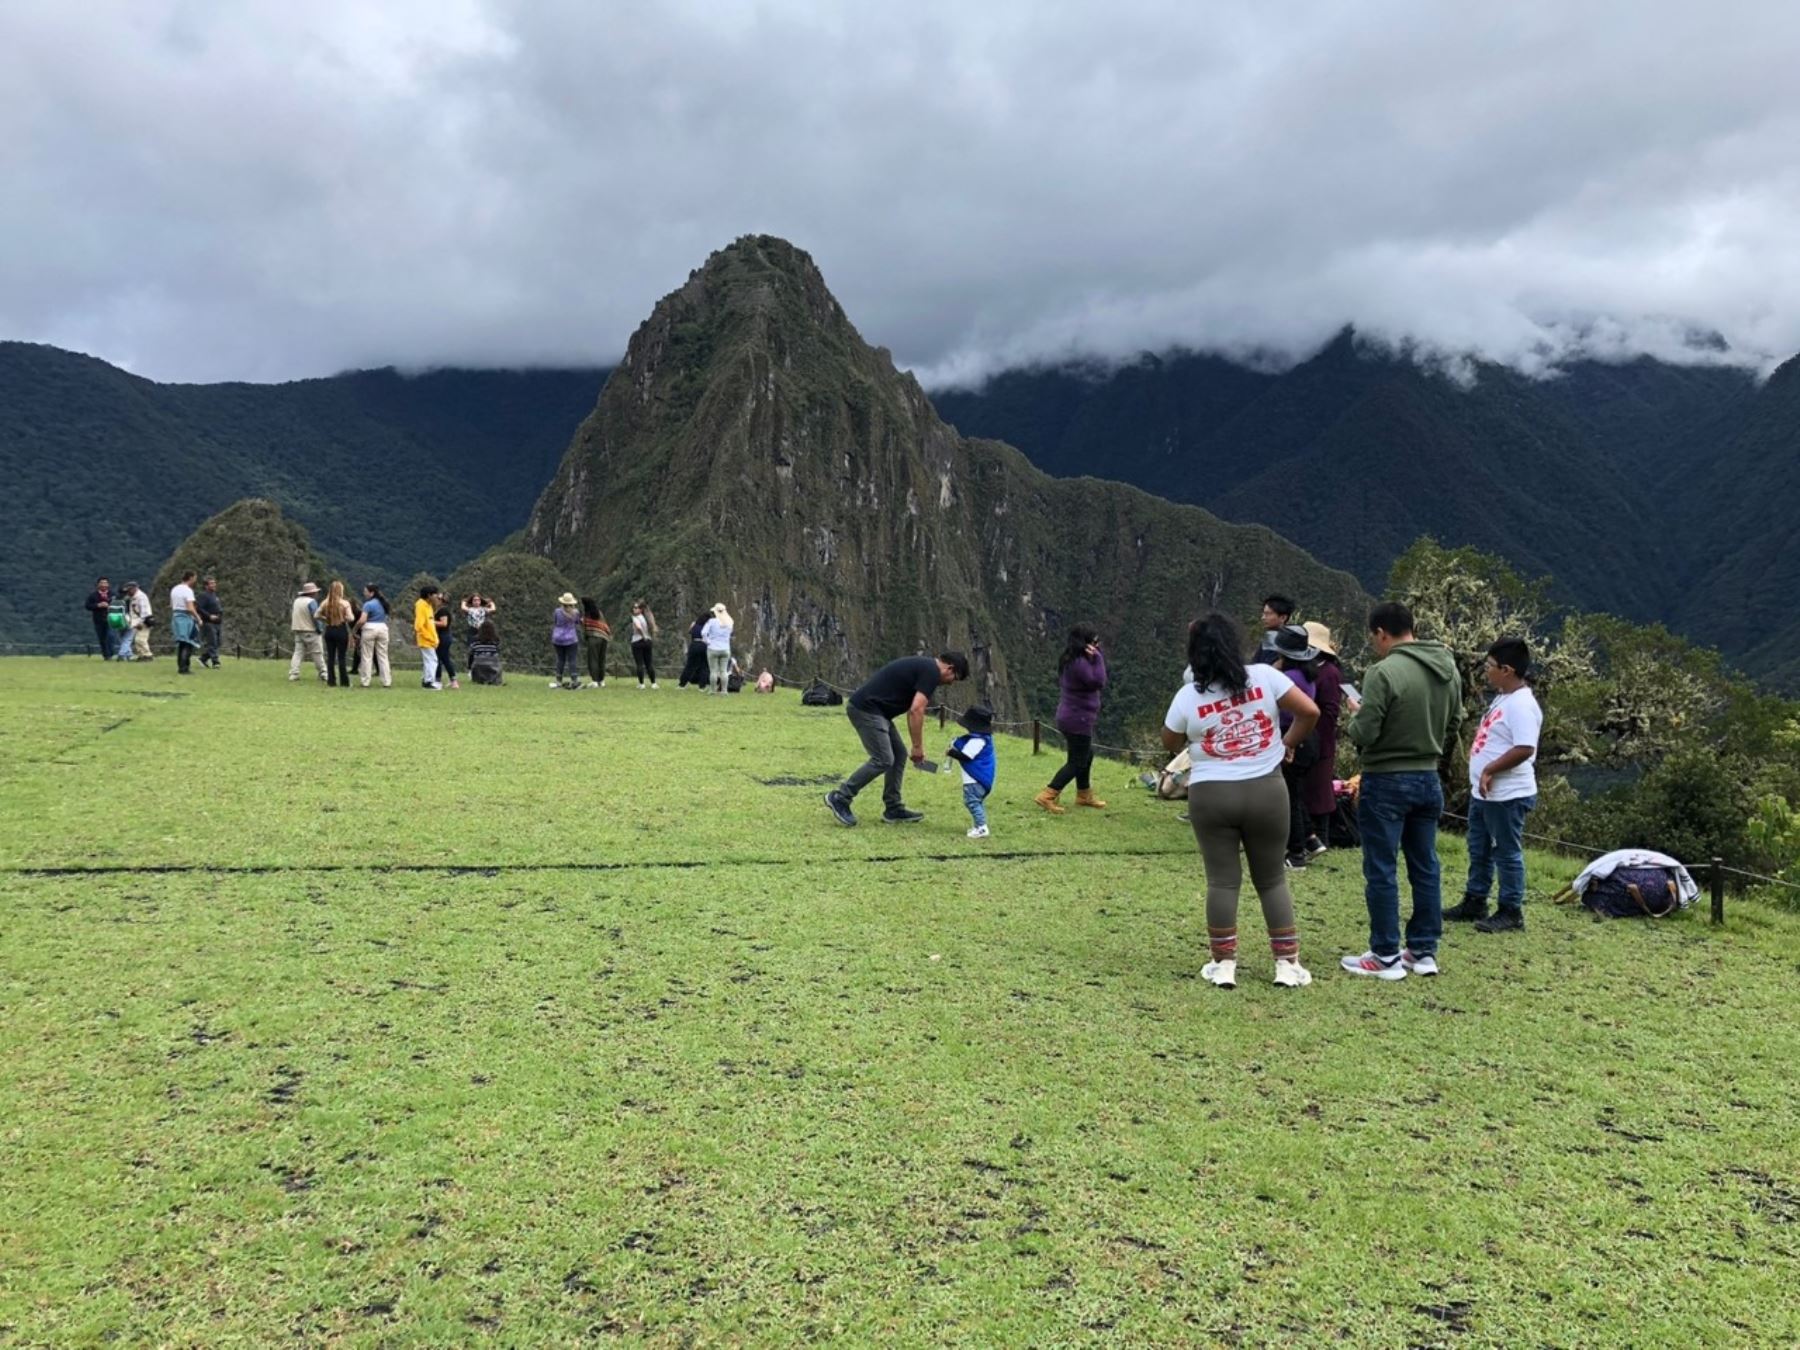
(1412, 703)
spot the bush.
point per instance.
(1694, 805)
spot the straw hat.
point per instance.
(566, 599)
(307, 588)
(1320, 636)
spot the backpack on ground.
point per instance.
(820, 695)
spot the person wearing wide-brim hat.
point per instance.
(565, 638)
(1318, 791)
(309, 639)
(974, 754)
(1297, 658)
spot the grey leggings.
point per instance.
(1254, 814)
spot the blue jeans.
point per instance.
(975, 798)
(1399, 812)
(1497, 842)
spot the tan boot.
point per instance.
(1048, 799)
(1086, 797)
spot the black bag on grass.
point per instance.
(820, 695)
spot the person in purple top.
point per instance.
(1297, 658)
(1081, 673)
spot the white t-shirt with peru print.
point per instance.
(1232, 737)
(1511, 720)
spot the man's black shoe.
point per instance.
(899, 815)
(1503, 921)
(840, 808)
(1472, 908)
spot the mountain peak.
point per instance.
(752, 448)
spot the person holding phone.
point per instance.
(901, 688)
(1081, 677)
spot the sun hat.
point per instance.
(566, 598)
(1292, 643)
(1320, 636)
(307, 588)
(978, 719)
(720, 608)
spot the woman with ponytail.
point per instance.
(1229, 719)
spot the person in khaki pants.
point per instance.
(304, 620)
(372, 630)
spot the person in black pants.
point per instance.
(99, 605)
(446, 638)
(694, 672)
(212, 622)
(1081, 676)
(643, 647)
(337, 614)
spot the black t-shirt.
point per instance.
(889, 691)
(207, 602)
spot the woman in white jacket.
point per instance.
(717, 636)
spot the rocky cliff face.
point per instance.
(752, 448)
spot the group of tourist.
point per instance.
(122, 621)
(1261, 741)
(1260, 738)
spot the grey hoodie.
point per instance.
(1412, 704)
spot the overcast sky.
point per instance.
(217, 189)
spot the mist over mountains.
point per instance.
(1651, 490)
(1654, 490)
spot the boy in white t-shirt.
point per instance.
(1503, 791)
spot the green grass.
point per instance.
(887, 1085)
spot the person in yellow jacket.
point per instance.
(425, 633)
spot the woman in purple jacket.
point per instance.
(1081, 672)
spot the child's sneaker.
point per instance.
(555, 685)
(1221, 973)
(979, 832)
(1419, 965)
(1375, 967)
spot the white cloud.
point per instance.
(204, 190)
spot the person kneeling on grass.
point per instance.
(902, 687)
(1228, 718)
(1503, 791)
(975, 754)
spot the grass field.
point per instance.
(545, 1017)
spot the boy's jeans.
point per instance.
(1399, 812)
(975, 798)
(1497, 842)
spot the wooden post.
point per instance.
(943, 716)
(1718, 890)
(1037, 736)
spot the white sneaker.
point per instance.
(1419, 965)
(1374, 966)
(978, 832)
(640, 684)
(655, 685)
(555, 685)
(1292, 975)
(1221, 973)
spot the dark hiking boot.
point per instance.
(840, 808)
(899, 815)
(1503, 921)
(1472, 909)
